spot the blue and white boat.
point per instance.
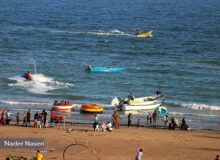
(105, 69)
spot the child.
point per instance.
(139, 153)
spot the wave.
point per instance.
(193, 114)
(40, 84)
(199, 106)
(26, 103)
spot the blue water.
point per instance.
(57, 40)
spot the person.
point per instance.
(184, 125)
(88, 68)
(39, 156)
(27, 76)
(117, 119)
(52, 118)
(139, 153)
(154, 117)
(8, 117)
(3, 120)
(62, 103)
(148, 118)
(109, 126)
(103, 126)
(173, 124)
(24, 118)
(44, 115)
(29, 117)
(39, 120)
(159, 111)
(138, 123)
(36, 119)
(129, 119)
(130, 96)
(158, 92)
(165, 119)
(139, 32)
(217, 157)
(17, 119)
(55, 102)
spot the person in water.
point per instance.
(88, 68)
(28, 75)
(139, 32)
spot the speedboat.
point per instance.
(142, 103)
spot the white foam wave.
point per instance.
(26, 103)
(114, 32)
(40, 84)
(199, 106)
(193, 114)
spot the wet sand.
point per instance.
(117, 145)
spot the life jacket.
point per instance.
(29, 75)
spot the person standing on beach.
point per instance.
(129, 119)
(29, 117)
(45, 117)
(3, 117)
(24, 118)
(35, 119)
(8, 117)
(154, 117)
(148, 118)
(138, 123)
(17, 119)
(139, 153)
(117, 118)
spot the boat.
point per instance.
(142, 103)
(163, 110)
(91, 108)
(105, 69)
(63, 108)
(145, 34)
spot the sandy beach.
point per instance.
(117, 145)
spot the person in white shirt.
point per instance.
(109, 126)
(139, 153)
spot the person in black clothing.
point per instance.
(129, 119)
(29, 117)
(44, 114)
(184, 125)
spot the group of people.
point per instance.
(98, 124)
(40, 120)
(62, 103)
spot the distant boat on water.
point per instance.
(103, 69)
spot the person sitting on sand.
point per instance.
(139, 153)
(184, 125)
(109, 126)
(173, 124)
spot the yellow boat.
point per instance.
(147, 34)
(91, 108)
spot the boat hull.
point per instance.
(91, 108)
(104, 69)
(68, 108)
(127, 107)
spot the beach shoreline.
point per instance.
(119, 144)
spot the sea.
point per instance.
(56, 40)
